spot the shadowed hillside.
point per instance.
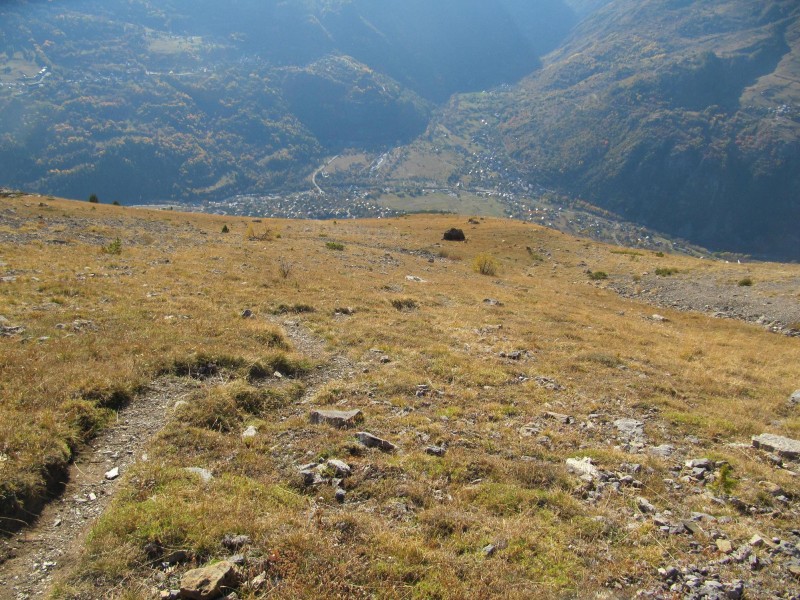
(682, 116)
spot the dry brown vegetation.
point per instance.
(99, 326)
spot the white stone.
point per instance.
(583, 466)
(204, 474)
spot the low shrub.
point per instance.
(485, 264)
(114, 247)
(404, 304)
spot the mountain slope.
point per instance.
(684, 116)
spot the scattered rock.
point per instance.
(337, 418)
(664, 450)
(659, 319)
(724, 546)
(250, 432)
(563, 419)
(644, 506)
(436, 450)
(629, 428)
(631, 432)
(454, 235)
(209, 583)
(415, 279)
(492, 302)
(175, 558)
(385, 360)
(548, 384)
(235, 542)
(491, 549)
(344, 310)
(258, 581)
(112, 474)
(204, 474)
(9, 330)
(371, 441)
(339, 467)
(794, 399)
(783, 446)
(340, 495)
(247, 313)
(773, 489)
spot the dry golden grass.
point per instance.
(414, 525)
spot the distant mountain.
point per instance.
(682, 115)
(136, 100)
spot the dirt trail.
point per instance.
(39, 552)
(331, 366)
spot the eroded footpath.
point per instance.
(37, 553)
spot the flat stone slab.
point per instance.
(336, 418)
(782, 446)
(373, 441)
(630, 428)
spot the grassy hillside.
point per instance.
(509, 353)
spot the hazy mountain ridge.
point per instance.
(212, 100)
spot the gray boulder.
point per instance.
(782, 446)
